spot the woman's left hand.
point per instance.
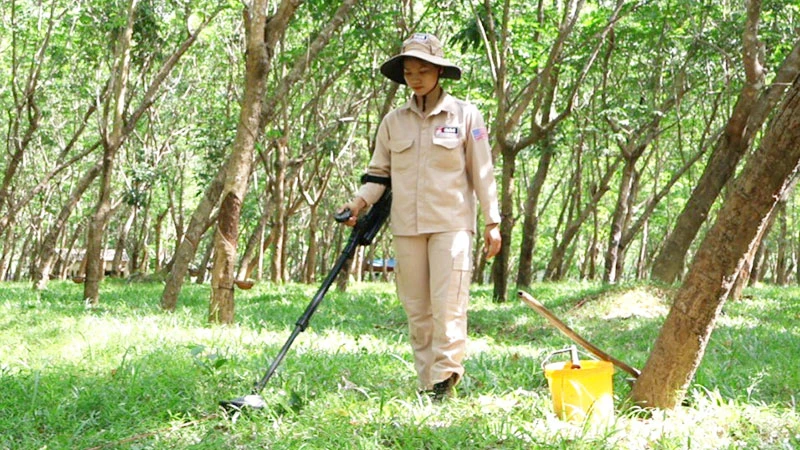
(492, 240)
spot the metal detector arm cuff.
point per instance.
(372, 187)
(367, 178)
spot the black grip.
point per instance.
(343, 215)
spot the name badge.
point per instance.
(446, 132)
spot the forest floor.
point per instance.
(127, 375)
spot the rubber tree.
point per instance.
(214, 193)
(764, 180)
(113, 124)
(756, 100)
(537, 95)
(116, 127)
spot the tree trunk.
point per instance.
(618, 223)
(682, 341)
(48, 251)
(589, 266)
(757, 271)
(752, 267)
(531, 219)
(797, 258)
(26, 257)
(186, 250)
(25, 109)
(781, 257)
(159, 232)
(255, 244)
(641, 265)
(500, 264)
(8, 250)
(119, 247)
(747, 118)
(279, 215)
(202, 268)
(111, 144)
(309, 274)
(66, 259)
(555, 265)
(140, 258)
(261, 37)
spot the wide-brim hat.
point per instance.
(426, 47)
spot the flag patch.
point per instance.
(480, 134)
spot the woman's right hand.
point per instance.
(355, 206)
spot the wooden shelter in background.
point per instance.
(71, 263)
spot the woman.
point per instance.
(436, 151)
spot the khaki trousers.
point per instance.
(433, 275)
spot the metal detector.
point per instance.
(363, 233)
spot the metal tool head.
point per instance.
(254, 401)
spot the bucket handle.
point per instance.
(575, 362)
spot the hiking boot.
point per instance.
(444, 389)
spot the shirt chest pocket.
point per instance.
(402, 154)
(447, 154)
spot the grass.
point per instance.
(126, 375)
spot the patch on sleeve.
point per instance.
(480, 134)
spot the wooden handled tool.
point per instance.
(555, 321)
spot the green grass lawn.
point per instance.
(126, 375)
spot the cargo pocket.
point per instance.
(460, 281)
(402, 157)
(446, 154)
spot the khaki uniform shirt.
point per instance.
(438, 165)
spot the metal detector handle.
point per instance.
(343, 216)
(373, 220)
(363, 233)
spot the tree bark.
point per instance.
(781, 264)
(120, 130)
(186, 250)
(554, 270)
(500, 264)
(746, 120)
(752, 267)
(202, 268)
(279, 214)
(111, 144)
(614, 251)
(766, 177)
(530, 219)
(48, 251)
(21, 134)
(535, 99)
(119, 247)
(262, 35)
(255, 244)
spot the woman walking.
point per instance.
(436, 151)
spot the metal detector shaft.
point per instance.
(302, 322)
(363, 233)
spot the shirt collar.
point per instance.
(446, 103)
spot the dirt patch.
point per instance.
(644, 302)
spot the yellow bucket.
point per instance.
(584, 393)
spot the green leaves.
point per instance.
(206, 359)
